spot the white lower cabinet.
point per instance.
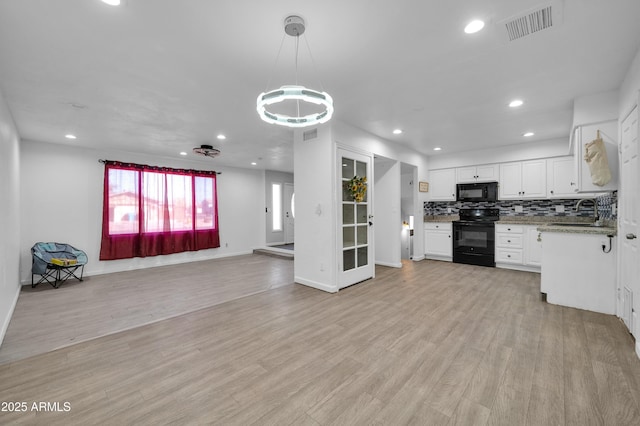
(579, 270)
(518, 247)
(438, 243)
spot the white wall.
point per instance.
(595, 107)
(386, 206)
(9, 216)
(61, 201)
(316, 204)
(628, 96)
(271, 177)
(527, 151)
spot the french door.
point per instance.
(355, 218)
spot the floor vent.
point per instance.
(532, 21)
(310, 134)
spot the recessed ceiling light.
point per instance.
(516, 103)
(253, 163)
(397, 131)
(112, 2)
(70, 136)
(183, 153)
(221, 137)
(474, 26)
(437, 148)
(528, 134)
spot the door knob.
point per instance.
(631, 236)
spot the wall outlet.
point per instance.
(560, 209)
(448, 209)
(517, 209)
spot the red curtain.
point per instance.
(149, 211)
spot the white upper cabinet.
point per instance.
(523, 180)
(584, 135)
(442, 185)
(484, 173)
(561, 178)
(510, 181)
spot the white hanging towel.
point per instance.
(595, 154)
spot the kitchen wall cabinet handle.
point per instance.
(552, 191)
(631, 236)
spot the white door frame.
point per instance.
(628, 222)
(288, 219)
(361, 273)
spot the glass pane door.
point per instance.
(356, 220)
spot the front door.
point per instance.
(355, 218)
(628, 287)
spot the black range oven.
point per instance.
(474, 236)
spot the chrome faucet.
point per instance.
(596, 215)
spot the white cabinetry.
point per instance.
(577, 272)
(523, 180)
(561, 178)
(584, 135)
(483, 173)
(442, 185)
(437, 240)
(517, 247)
(533, 246)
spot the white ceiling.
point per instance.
(161, 76)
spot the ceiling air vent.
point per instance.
(310, 134)
(532, 21)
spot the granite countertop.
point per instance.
(587, 229)
(545, 223)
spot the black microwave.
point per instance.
(482, 191)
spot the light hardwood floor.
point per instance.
(431, 343)
(46, 319)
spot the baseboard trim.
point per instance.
(167, 261)
(389, 264)
(523, 268)
(7, 319)
(441, 258)
(418, 258)
(315, 284)
(638, 349)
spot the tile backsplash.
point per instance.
(561, 207)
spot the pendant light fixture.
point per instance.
(294, 26)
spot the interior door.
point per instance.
(289, 213)
(629, 218)
(355, 220)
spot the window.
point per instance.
(276, 201)
(153, 210)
